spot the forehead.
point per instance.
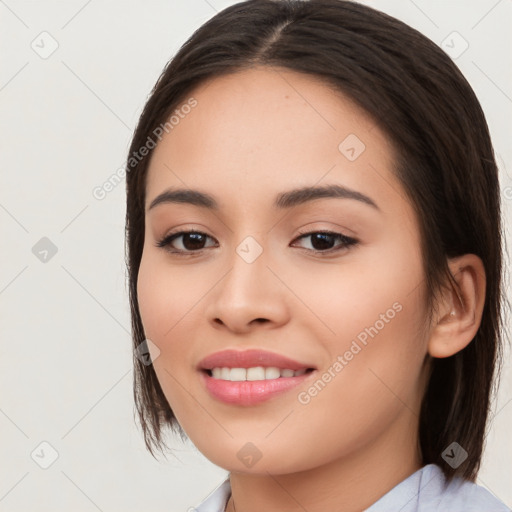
(265, 130)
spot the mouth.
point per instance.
(250, 377)
(254, 373)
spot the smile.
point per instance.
(250, 377)
(254, 373)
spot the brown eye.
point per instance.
(191, 241)
(325, 241)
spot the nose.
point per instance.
(249, 296)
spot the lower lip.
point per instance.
(250, 392)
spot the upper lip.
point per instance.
(249, 359)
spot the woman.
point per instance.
(314, 255)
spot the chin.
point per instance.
(255, 457)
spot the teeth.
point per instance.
(272, 373)
(236, 374)
(254, 373)
(257, 373)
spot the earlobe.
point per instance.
(460, 310)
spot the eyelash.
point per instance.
(346, 242)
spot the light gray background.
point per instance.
(66, 122)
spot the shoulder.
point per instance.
(468, 497)
(423, 491)
(217, 500)
(427, 491)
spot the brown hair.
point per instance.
(445, 162)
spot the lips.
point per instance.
(250, 359)
(251, 392)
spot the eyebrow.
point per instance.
(288, 199)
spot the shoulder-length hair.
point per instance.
(445, 163)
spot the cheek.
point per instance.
(380, 330)
(170, 306)
(167, 296)
(363, 291)
(159, 310)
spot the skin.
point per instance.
(252, 135)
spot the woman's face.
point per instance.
(345, 307)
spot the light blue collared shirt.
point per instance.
(423, 491)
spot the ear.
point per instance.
(460, 311)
